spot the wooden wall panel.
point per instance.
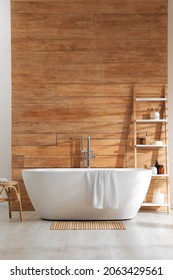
(74, 64)
(136, 9)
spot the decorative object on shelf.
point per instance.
(158, 142)
(138, 140)
(156, 113)
(158, 198)
(148, 114)
(143, 140)
(161, 169)
(154, 170)
(157, 166)
(3, 180)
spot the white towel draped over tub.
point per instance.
(102, 188)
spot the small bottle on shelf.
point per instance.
(157, 166)
(143, 141)
(161, 169)
(154, 170)
(138, 139)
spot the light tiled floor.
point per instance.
(148, 236)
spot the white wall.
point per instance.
(5, 90)
(170, 93)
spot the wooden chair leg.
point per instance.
(20, 207)
(8, 193)
(16, 189)
(20, 203)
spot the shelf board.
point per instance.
(151, 121)
(160, 175)
(151, 99)
(150, 146)
(154, 204)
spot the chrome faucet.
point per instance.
(86, 154)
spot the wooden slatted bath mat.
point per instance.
(87, 225)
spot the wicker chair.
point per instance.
(12, 191)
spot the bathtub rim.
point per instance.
(121, 169)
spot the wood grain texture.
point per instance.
(74, 64)
(92, 8)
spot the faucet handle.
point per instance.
(94, 156)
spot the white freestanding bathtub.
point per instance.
(61, 193)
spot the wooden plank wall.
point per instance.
(74, 63)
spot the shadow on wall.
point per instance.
(75, 153)
(124, 145)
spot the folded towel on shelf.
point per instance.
(3, 180)
(102, 186)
